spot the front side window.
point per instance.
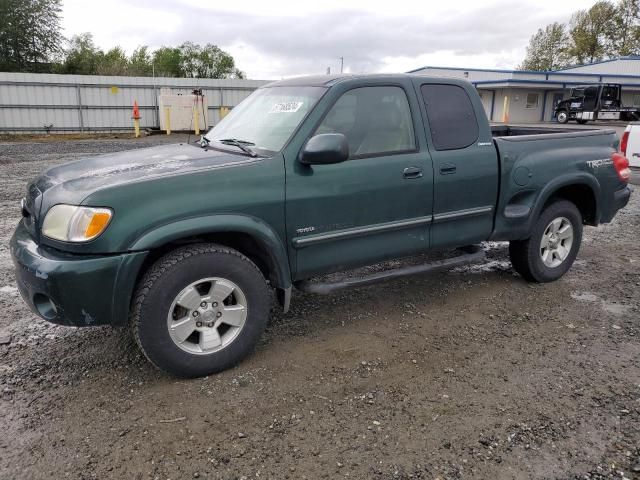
(591, 92)
(268, 117)
(375, 120)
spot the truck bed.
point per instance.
(534, 159)
(517, 131)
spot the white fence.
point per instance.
(31, 102)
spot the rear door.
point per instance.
(374, 206)
(465, 165)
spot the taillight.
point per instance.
(621, 164)
(624, 142)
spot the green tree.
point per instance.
(547, 49)
(589, 32)
(166, 62)
(81, 57)
(140, 62)
(29, 34)
(114, 62)
(624, 38)
(207, 62)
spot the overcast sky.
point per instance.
(273, 39)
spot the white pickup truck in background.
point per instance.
(630, 144)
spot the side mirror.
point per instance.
(325, 149)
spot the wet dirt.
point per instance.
(471, 373)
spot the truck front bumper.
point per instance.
(74, 290)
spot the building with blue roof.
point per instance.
(520, 96)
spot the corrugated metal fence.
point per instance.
(31, 102)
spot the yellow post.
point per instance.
(136, 118)
(167, 118)
(196, 121)
(505, 110)
(224, 111)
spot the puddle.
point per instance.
(615, 308)
(490, 246)
(9, 290)
(584, 296)
(491, 266)
(610, 307)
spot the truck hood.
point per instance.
(132, 165)
(72, 182)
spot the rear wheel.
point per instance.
(562, 116)
(199, 310)
(553, 246)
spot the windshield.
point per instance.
(267, 118)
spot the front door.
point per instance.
(590, 98)
(374, 206)
(465, 166)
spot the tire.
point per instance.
(582, 122)
(166, 302)
(562, 116)
(527, 255)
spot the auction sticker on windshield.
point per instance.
(286, 107)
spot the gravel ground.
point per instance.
(471, 373)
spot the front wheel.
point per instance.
(199, 310)
(553, 246)
(562, 116)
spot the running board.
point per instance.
(470, 254)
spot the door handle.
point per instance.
(412, 172)
(447, 169)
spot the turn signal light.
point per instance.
(97, 224)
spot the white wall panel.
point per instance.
(30, 101)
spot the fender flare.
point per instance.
(259, 230)
(567, 180)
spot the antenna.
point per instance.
(341, 64)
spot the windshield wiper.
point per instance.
(241, 144)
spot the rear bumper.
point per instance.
(74, 290)
(620, 200)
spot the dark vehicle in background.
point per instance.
(595, 102)
(306, 177)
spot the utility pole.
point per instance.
(341, 64)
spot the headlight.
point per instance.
(70, 223)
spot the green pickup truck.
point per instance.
(308, 176)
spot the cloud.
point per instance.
(301, 42)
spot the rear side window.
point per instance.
(451, 116)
